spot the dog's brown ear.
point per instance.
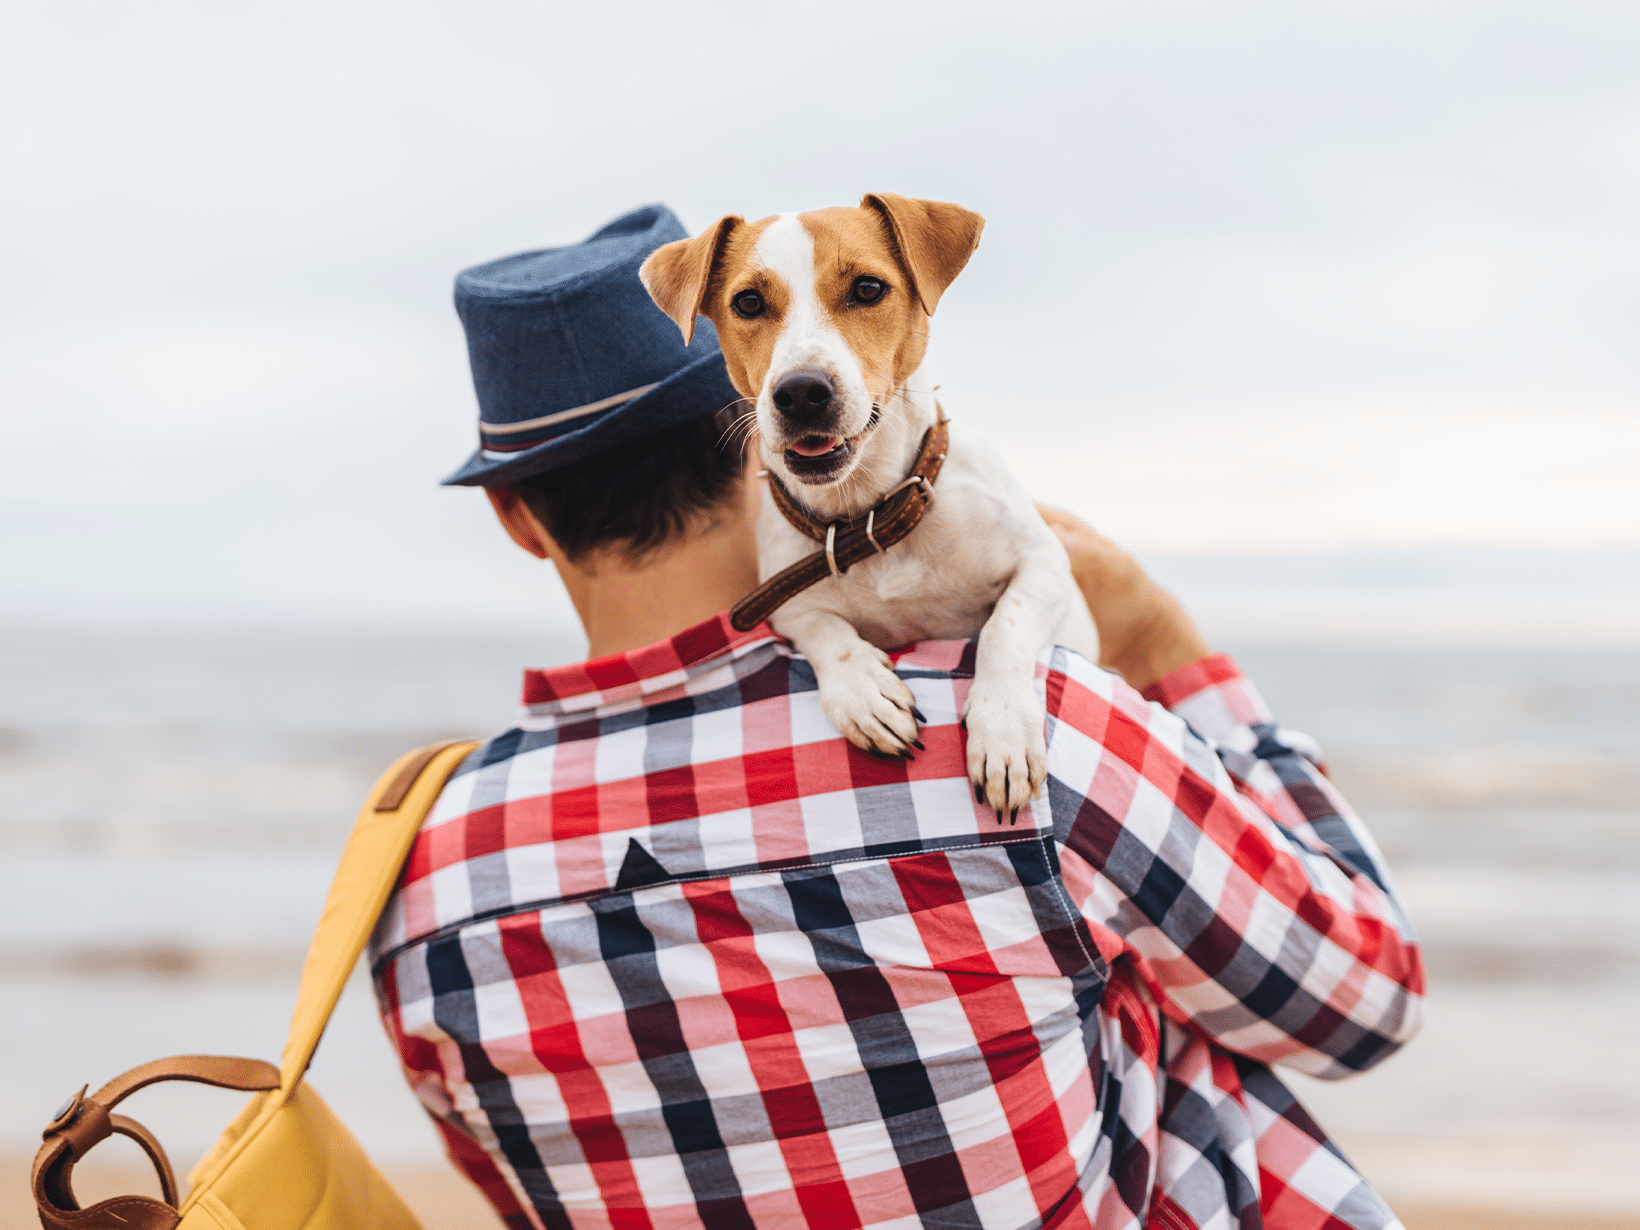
(935, 240)
(676, 276)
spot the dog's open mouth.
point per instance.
(817, 446)
(816, 458)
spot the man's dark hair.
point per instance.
(640, 495)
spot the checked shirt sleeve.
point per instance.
(1206, 844)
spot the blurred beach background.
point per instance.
(1329, 312)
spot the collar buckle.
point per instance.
(928, 490)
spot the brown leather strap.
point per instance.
(128, 1127)
(393, 794)
(85, 1122)
(222, 1071)
(849, 539)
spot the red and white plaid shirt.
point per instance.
(671, 953)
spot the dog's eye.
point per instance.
(748, 303)
(867, 290)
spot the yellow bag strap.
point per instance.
(375, 853)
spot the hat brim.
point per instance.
(692, 392)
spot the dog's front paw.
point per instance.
(1007, 749)
(871, 705)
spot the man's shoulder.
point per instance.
(775, 703)
(736, 677)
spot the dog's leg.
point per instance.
(1007, 749)
(859, 690)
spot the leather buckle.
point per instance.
(831, 552)
(928, 488)
(66, 1113)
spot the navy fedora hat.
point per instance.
(570, 356)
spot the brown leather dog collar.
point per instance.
(847, 540)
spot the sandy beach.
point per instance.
(444, 1201)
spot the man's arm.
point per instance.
(1197, 838)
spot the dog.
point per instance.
(823, 320)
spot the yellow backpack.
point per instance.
(286, 1162)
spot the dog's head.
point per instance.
(822, 316)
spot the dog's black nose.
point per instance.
(804, 393)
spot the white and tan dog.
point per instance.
(823, 320)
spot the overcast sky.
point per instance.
(1257, 279)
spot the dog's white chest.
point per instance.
(897, 575)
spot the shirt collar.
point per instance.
(676, 666)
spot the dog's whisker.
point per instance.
(741, 428)
(741, 431)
